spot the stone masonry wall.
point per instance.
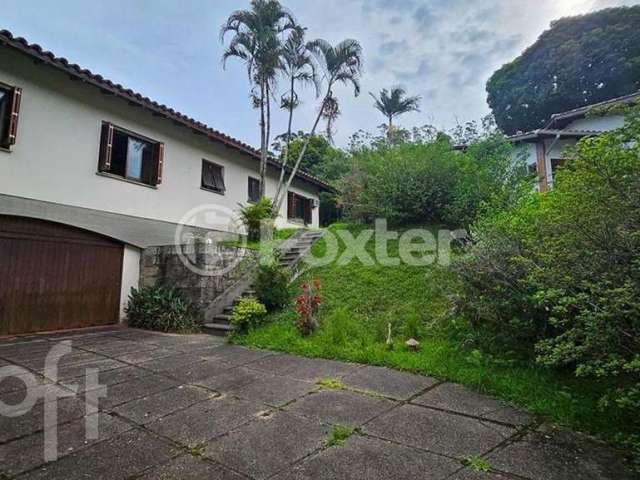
(201, 271)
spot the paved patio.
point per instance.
(191, 407)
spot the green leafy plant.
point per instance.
(161, 308)
(254, 214)
(272, 286)
(331, 383)
(339, 435)
(477, 463)
(247, 314)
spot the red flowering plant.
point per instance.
(307, 307)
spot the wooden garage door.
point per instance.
(55, 277)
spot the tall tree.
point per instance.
(341, 63)
(257, 43)
(393, 104)
(298, 67)
(579, 61)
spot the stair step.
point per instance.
(222, 318)
(219, 329)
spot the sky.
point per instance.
(170, 50)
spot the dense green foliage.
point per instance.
(272, 285)
(163, 309)
(557, 276)
(579, 61)
(359, 303)
(428, 181)
(248, 313)
(253, 215)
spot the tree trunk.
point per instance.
(263, 149)
(304, 149)
(286, 152)
(389, 130)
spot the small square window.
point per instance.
(212, 177)
(254, 190)
(9, 110)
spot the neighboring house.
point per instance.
(91, 173)
(543, 148)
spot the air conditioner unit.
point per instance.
(315, 203)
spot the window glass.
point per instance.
(212, 177)
(5, 97)
(137, 152)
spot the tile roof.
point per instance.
(104, 84)
(548, 132)
(582, 111)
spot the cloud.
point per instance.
(443, 50)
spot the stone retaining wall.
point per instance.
(201, 271)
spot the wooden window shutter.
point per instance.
(158, 161)
(106, 147)
(15, 112)
(308, 216)
(291, 207)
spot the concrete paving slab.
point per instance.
(387, 382)
(141, 356)
(231, 379)
(456, 398)
(309, 369)
(194, 372)
(340, 407)
(236, 355)
(205, 420)
(152, 407)
(188, 467)
(372, 459)
(541, 456)
(140, 387)
(274, 390)
(21, 382)
(68, 409)
(159, 365)
(108, 378)
(27, 453)
(267, 446)
(468, 474)
(117, 458)
(80, 370)
(438, 432)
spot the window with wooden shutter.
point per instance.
(10, 98)
(130, 156)
(254, 189)
(291, 208)
(212, 177)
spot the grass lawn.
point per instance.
(359, 302)
(279, 236)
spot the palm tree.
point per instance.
(330, 114)
(341, 63)
(256, 42)
(298, 67)
(394, 104)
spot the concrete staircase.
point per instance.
(292, 251)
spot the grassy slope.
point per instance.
(359, 302)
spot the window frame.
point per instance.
(249, 180)
(222, 172)
(13, 115)
(157, 156)
(307, 204)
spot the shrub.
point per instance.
(272, 286)
(253, 215)
(417, 183)
(247, 314)
(308, 307)
(559, 273)
(160, 308)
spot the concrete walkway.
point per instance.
(191, 407)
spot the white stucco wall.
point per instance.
(602, 124)
(55, 158)
(130, 275)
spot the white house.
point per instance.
(543, 148)
(91, 173)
